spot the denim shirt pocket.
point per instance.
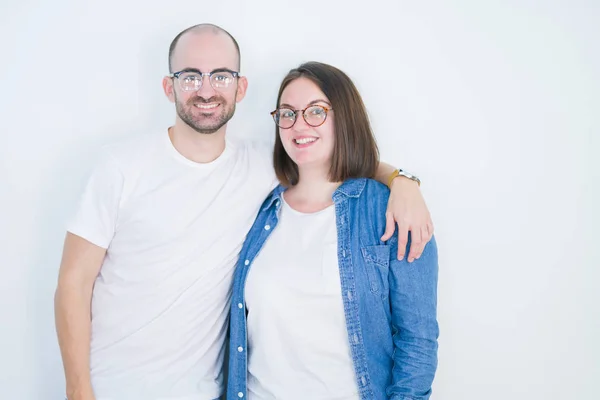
(377, 264)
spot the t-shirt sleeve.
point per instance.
(95, 218)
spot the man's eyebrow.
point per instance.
(221, 69)
(189, 69)
(285, 105)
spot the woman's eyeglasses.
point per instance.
(314, 116)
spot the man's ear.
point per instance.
(241, 88)
(168, 88)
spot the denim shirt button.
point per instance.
(355, 338)
(240, 395)
(247, 262)
(349, 295)
(363, 381)
(267, 227)
(240, 349)
(240, 305)
(344, 252)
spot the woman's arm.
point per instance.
(413, 297)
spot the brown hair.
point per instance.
(355, 153)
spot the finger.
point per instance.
(416, 245)
(389, 226)
(430, 229)
(425, 238)
(425, 235)
(402, 240)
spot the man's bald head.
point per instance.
(200, 29)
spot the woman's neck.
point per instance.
(313, 192)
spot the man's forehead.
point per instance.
(205, 50)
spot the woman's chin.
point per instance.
(310, 164)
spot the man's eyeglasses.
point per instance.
(190, 79)
(314, 116)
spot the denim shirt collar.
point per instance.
(350, 188)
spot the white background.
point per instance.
(493, 103)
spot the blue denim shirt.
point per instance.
(390, 305)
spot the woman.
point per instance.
(321, 307)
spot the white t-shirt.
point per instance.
(173, 229)
(297, 339)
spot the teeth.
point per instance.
(206, 106)
(305, 140)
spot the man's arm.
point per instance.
(407, 208)
(80, 265)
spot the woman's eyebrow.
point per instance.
(285, 105)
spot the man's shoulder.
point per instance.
(128, 146)
(252, 147)
(255, 158)
(256, 155)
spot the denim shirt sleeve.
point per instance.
(413, 300)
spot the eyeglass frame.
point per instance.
(236, 75)
(327, 109)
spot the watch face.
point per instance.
(409, 176)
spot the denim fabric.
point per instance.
(389, 305)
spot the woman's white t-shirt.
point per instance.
(297, 338)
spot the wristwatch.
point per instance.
(405, 174)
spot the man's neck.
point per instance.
(195, 146)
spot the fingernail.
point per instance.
(400, 258)
(411, 259)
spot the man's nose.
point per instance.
(206, 90)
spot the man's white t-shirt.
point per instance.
(297, 338)
(173, 230)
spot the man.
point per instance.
(145, 279)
